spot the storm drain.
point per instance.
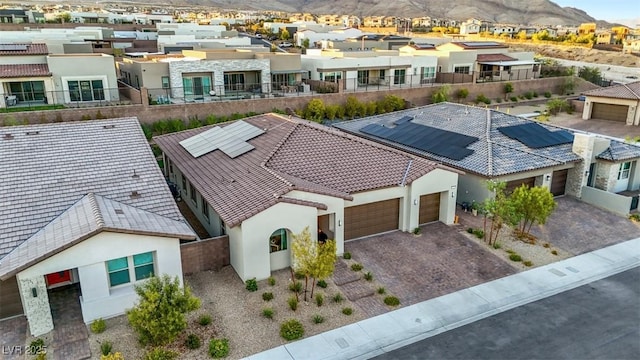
(572, 269)
(557, 272)
(342, 343)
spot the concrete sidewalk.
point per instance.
(395, 329)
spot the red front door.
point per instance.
(59, 277)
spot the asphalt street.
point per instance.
(600, 320)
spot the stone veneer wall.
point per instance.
(577, 176)
(36, 309)
(208, 254)
(606, 175)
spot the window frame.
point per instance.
(624, 172)
(399, 76)
(165, 82)
(132, 275)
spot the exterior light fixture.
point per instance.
(34, 292)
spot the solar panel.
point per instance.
(426, 138)
(13, 47)
(231, 140)
(243, 130)
(481, 43)
(403, 120)
(535, 136)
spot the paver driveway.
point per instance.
(438, 262)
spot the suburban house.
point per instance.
(490, 145)
(261, 179)
(470, 26)
(29, 74)
(368, 42)
(316, 36)
(616, 103)
(369, 68)
(212, 73)
(485, 61)
(82, 204)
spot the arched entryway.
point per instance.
(280, 249)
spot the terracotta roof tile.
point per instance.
(494, 57)
(623, 91)
(24, 70)
(30, 49)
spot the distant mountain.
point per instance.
(503, 11)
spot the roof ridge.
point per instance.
(489, 144)
(530, 153)
(95, 210)
(633, 92)
(279, 145)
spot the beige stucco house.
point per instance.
(616, 103)
(262, 179)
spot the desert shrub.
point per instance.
(346, 255)
(160, 354)
(381, 290)
(337, 298)
(314, 110)
(299, 275)
(317, 319)
(356, 267)
(268, 313)
(498, 100)
(496, 245)
(322, 284)
(106, 347)
(515, 257)
(535, 94)
(554, 252)
(482, 99)
(330, 111)
(479, 233)
(462, 93)
(112, 356)
(351, 107)
(372, 108)
(218, 348)
(251, 285)
(319, 299)
(37, 344)
(391, 301)
(392, 103)
(204, 320)
(85, 117)
(194, 122)
(527, 263)
(271, 281)
(547, 94)
(159, 315)
(192, 341)
(295, 287)
(347, 311)
(470, 230)
(268, 296)
(293, 303)
(546, 245)
(291, 329)
(417, 230)
(555, 106)
(98, 326)
(528, 95)
(368, 276)
(514, 99)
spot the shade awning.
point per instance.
(509, 63)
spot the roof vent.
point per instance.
(135, 176)
(119, 211)
(134, 194)
(7, 137)
(110, 126)
(33, 132)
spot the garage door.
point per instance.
(369, 219)
(10, 304)
(609, 112)
(559, 182)
(513, 184)
(429, 208)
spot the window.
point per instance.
(192, 192)
(27, 90)
(462, 70)
(234, 81)
(278, 240)
(399, 76)
(363, 77)
(623, 172)
(86, 90)
(205, 207)
(428, 72)
(332, 76)
(382, 74)
(143, 265)
(165, 82)
(118, 271)
(196, 85)
(184, 182)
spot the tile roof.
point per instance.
(494, 154)
(623, 91)
(30, 49)
(47, 168)
(494, 57)
(620, 151)
(24, 70)
(87, 217)
(292, 154)
(480, 44)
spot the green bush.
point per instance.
(554, 252)
(514, 99)
(192, 341)
(528, 95)
(337, 298)
(356, 267)
(204, 320)
(299, 275)
(515, 257)
(482, 99)
(251, 285)
(319, 299)
(368, 276)
(535, 94)
(296, 287)
(527, 263)
(37, 344)
(160, 354)
(293, 303)
(417, 230)
(381, 290)
(159, 315)
(470, 230)
(106, 347)
(314, 110)
(346, 255)
(352, 106)
(218, 348)
(391, 301)
(291, 329)
(330, 111)
(478, 233)
(347, 311)
(322, 284)
(268, 313)
(496, 245)
(98, 326)
(317, 319)
(268, 296)
(547, 94)
(271, 280)
(555, 106)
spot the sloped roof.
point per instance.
(24, 70)
(292, 154)
(620, 151)
(479, 45)
(629, 91)
(494, 57)
(28, 49)
(90, 215)
(494, 154)
(47, 168)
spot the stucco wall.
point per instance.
(436, 181)
(85, 67)
(208, 254)
(633, 114)
(605, 200)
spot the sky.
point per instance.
(605, 9)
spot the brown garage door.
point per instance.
(559, 182)
(369, 219)
(513, 184)
(609, 112)
(10, 304)
(429, 208)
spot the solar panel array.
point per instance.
(481, 43)
(426, 138)
(13, 47)
(231, 139)
(536, 136)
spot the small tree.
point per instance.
(508, 89)
(305, 43)
(314, 110)
(159, 315)
(532, 205)
(462, 94)
(591, 74)
(441, 95)
(352, 106)
(499, 209)
(314, 260)
(284, 34)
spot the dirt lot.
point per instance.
(580, 54)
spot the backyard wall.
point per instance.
(208, 254)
